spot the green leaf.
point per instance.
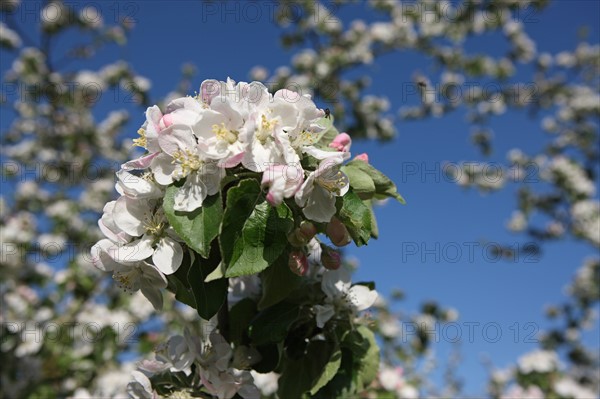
(209, 296)
(356, 216)
(362, 184)
(178, 282)
(241, 201)
(384, 187)
(374, 226)
(329, 372)
(252, 239)
(198, 228)
(216, 274)
(240, 316)
(270, 357)
(343, 384)
(365, 355)
(302, 374)
(278, 282)
(272, 324)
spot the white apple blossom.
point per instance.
(144, 277)
(184, 158)
(267, 383)
(283, 181)
(153, 236)
(317, 193)
(134, 186)
(226, 384)
(341, 296)
(140, 387)
(129, 274)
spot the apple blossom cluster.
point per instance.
(217, 368)
(229, 206)
(198, 147)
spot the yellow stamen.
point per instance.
(123, 280)
(148, 176)
(334, 184)
(188, 161)
(307, 137)
(266, 127)
(225, 134)
(141, 142)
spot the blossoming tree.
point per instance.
(230, 220)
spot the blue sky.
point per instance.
(439, 216)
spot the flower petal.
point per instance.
(142, 162)
(168, 255)
(163, 169)
(129, 215)
(361, 297)
(323, 313)
(133, 252)
(320, 205)
(177, 138)
(191, 195)
(100, 257)
(336, 283)
(135, 186)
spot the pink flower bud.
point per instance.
(341, 142)
(298, 263)
(362, 157)
(165, 121)
(330, 258)
(337, 232)
(271, 199)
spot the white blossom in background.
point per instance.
(243, 287)
(571, 174)
(392, 380)
(585, 283)
(518, 392)
(8, 37)
(518, 222)
(540, 361)
(567, 387)
(586, 220)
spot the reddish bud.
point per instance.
(330, 258)
(307, 230)
(298, 263)
(303, 234)
(362, 157)
(337, 232)
(294, 239)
